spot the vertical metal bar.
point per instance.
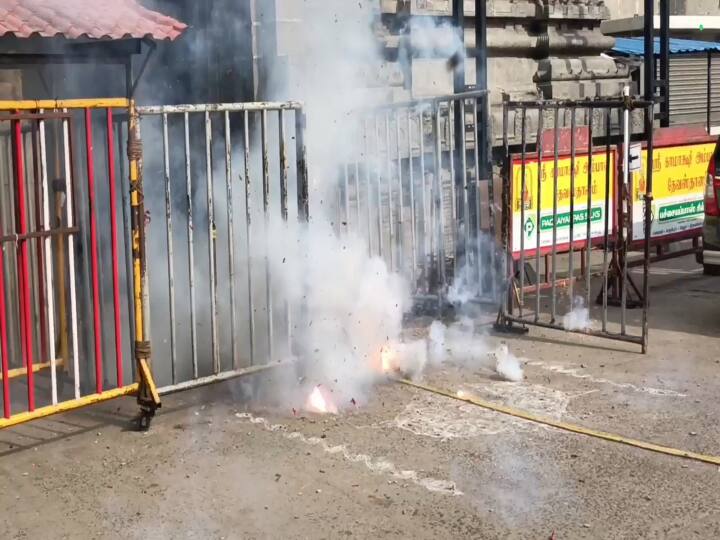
(231, 238)
(423, 201)
(588, 214)
(508, 210)
(388, 179)
(452, 142)
(147, 396)
(401, 197)
(481, 83)
(170, 250)
(127, 241)
(302, 167)
(58, 201)
(462, 150)
(9, 211)
(523, 196)
(127, 220)
(7, 411)
(284, 211)
(458, 15)
(23, 256)
(368, 185)
(413, 221)
(112, 186)
(379, 187)
(69, 217)
(573, 149)
(266, 214)
(665, 62)
(191, 245)
(485, 157)
(539, 211)
(439, 209)
(50, 299)
(625, 215)
(456, 150)
(248, 239)
(607, 218)
(478, 202)
(38, 274)
(432, 210)
(648, 227)
(95, 267)
(556, 153)
(303, 188)
(212, 239)
(649, 56)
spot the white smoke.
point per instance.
(346, 305)
(459, 344)
(578, 318)
(438, 39)
(467, 284)
(349, 307)
(507, 365)
(352, 305)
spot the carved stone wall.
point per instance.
(536, 48)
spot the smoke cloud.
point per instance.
(458, 344)
(348, 307)
(577, 319)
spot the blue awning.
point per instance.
(636, 46)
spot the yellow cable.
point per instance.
(714, 460)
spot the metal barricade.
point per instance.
(419, 190)
(559, 203)
(202, 165)
(65, 338)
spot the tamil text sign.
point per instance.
(525, 227)
(679, 177)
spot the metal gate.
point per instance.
(419, 190)
(203, 165)
(564, 210)
(66, 335)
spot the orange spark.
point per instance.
(319, 402)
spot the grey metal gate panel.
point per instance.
(214, 173)
(421, 198)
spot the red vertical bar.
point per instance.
(94, 251)
(21, 300)
(114, 235)
(40, 250)
(24, 268)
(4, 338)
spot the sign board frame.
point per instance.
(672, 193)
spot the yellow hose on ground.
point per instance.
(504, 409)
